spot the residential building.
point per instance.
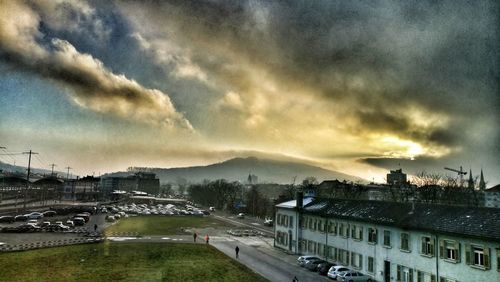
(392, 241)
(396, 177)
(140, 181)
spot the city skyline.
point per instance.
(353, 87)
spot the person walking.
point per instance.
(207, 238)
(95, 227)
(195, 236)
(237, 250)
(295, 279)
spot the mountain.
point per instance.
(238, 169)
(22, 170)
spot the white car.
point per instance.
(302, 258)
(34, 215)
(241, 215)
(351, 276)
(336, 270)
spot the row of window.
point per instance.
(284, 220)
(282, 238)
(475, 255)
(342, 256)
(405, 274)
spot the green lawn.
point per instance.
(164, 225)
(124, 262)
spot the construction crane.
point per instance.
(460, 172)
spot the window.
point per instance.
(404, 274)
(498, 259)
(320, 226)
(320, 249)
(281, 238)
(332, 228)
(332, 253)
(478, 256)
(310, 223)
(372, 235)
(444, 279)
(344, 230)
(449, 250)
(290, 222)
(303, 245)
(424, 277)
(427, 246)
(343, 256)
(371, 264)
(356, 260)
(387, 238)
(357, 232)
(405, 241)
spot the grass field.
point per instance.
(164, 225)
(124, 262)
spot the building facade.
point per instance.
(393, 241)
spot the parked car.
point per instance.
(312, 265)
(57, 227)
(27, 228)
(241, 215)
(78, 221)
(49, 213)
(212, 209)
(86, 217)
(302, 258)
(353, 276)
(324, 267)
(335, 270)
(21, 217)
(45, 224)
(303, 263)
(7, 218)
(34, 215)
(33, 221)
(70, 223)
(110, 218)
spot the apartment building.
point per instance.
(395, 241)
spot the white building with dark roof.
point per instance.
(392, 241)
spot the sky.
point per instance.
(354, 86)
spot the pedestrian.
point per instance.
(95, 227)
(207, 238)
(295, 279)
(194, 236)
(237, 250)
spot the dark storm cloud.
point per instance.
(91, 85)
(434, 57)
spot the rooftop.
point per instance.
(472, 222)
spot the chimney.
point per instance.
(300, 199)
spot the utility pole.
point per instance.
(28, 176)
(3, 180)
(52, 165)
(67, 175)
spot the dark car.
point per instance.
(7, 218)
(324, 267)
(49, 213)
(20, 217)
(56, 227)
(78, 221)
(28, 228)
(312, 265)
